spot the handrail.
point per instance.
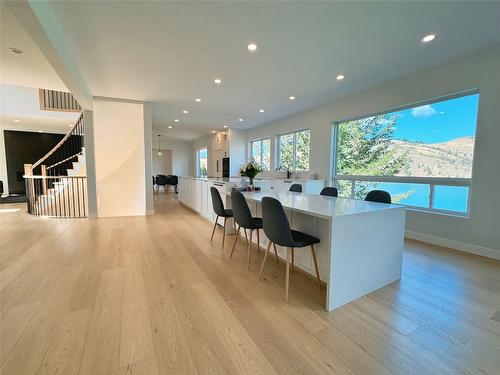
(56, 147)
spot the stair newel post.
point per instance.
(44, 179)
(30, 192)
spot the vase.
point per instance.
(250, 186)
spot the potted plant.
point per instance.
(250, 169)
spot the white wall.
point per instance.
(120, 165)
(182, 157)
(162, 164)
(3, 164)
(480, 232)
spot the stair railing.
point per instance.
(49, 189)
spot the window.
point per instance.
(293, 149)
(201, 162)
(261, 152)
(421, 155)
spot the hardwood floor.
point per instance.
(152, 295)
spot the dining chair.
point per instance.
(296, 188)
(220, 211)
(244, 219)
(277, 229)
(380, 196)
(329, 191)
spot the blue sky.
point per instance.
(439, 122)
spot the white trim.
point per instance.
(455, 245)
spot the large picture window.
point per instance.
(201, 162)
(261, 152)
(294, 150)
(421, 155)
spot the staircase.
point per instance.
(56, 185)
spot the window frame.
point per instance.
(294, 151)
(431, 181)
(260, 140)
(197, 157)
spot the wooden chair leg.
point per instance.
(293, 259)
(223, 234)
(287, 273)
(246, 237)
(275, 252)
(258, 242)
(213, 231)
(315, 261)
(264, 261)
(249, 255)
(235, 239)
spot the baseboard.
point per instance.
(455, 245)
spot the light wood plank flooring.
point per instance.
(152, 295)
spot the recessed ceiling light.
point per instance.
(197, 100)
(291, 97)
(176, 120)
(16, 50)
(185, 111)
(340, 77)
(170, 126)
(218, 81)
(226, 126)
(16, 120)
(429, 38)
(213, 131)
(252, 47)
(261, 110)
(40, 131)
(240, 120)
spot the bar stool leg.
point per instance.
(264, 261)
(275, 252)
(246, 237)
(235, 239)
(258, 242)
(223, 234)
(249, 249)
(313, 251)
(287, 274)
(293, 259)
(213, 231)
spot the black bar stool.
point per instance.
(380, 196)
(329, 191)
(243, 218)
(277, 229)
(296, 188)
(219, 210)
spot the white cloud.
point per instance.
(423, 111)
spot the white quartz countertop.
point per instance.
(213, 179)
(321, 206)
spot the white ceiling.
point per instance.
(170, 52)
(29, 69)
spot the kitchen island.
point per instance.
(361, 245)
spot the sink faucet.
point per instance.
(283, 168)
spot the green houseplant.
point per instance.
(250, 169)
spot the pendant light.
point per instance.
(159, 149)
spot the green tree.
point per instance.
(365, 148)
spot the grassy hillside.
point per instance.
(447, 159)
